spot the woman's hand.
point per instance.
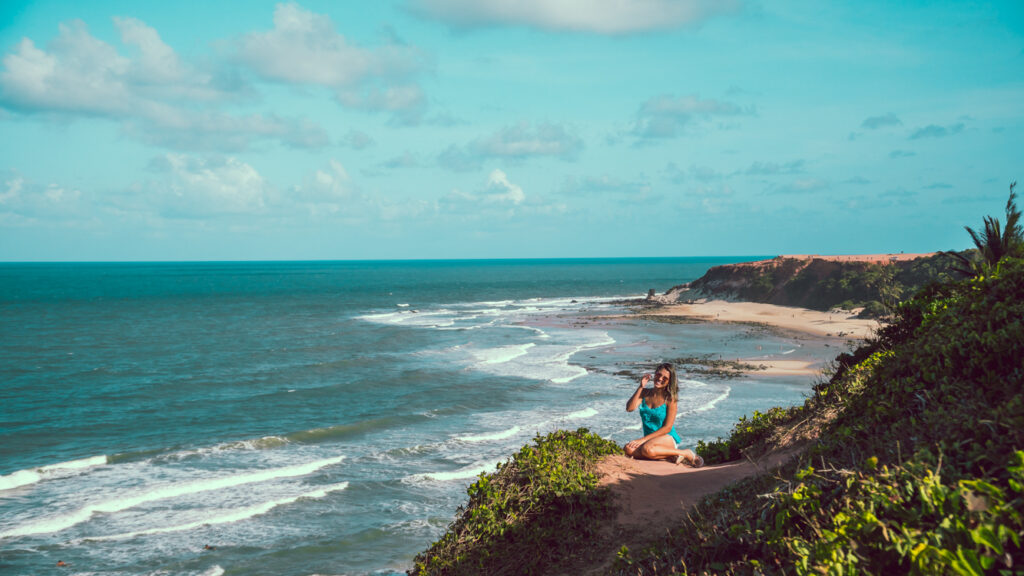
(645, 380)
(634, 444)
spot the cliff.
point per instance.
(872, 282)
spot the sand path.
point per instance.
(654, 497)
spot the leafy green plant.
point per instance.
(518, 518)
(746, 433)
(994, 242)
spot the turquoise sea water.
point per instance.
(316, 417)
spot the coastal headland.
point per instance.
(718, 297)
(883, 461)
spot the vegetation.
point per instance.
(994, 243)
(747, 433)
(519, 519)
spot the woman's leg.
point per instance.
(662, 448)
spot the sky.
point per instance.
(436, 129)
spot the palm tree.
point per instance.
(995, 242)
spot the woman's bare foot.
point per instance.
(695, 462)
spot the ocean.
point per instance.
(308, 418)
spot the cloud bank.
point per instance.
(517, 142)
(305, 48)
(668, 116)
(153, 94)
(612, 17)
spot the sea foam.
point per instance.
(585, 413)
(471, 471)
(63, 522)
(493, 436)
(228, 516)
(34, 475)
(503, 354)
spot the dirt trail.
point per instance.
(654, 497)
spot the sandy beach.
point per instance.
(828, 324)
(836, 327)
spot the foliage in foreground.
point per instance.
(747, 432)
(530, 514)
(920, 470)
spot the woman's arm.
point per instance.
(634, 401)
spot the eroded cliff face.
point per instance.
(816, 282)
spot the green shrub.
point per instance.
(746, 433)
(519, 519)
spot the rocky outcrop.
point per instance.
(815, 282)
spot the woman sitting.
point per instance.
(658, 413)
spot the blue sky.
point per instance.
(503, 129)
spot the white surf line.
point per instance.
(58, 523)
(471, 471)
(232, 515)
(585, 413)
(711, 404)
(33, 475)
(493, 436)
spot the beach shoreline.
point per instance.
(841, 324)
(837, 327)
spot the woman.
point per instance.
(658, 413)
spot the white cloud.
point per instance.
(406, 103)
(804, 186)
(517, 142)
(153, 95)
(497, 193)
(327, 191)
(597, 185)
(522, 140)
(500, 190)
(593, 16)
(667, 116)
(195, 187)
(304, 48)
(188, 130)
(773, 168)
(23, 201)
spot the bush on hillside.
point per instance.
(518, 518)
